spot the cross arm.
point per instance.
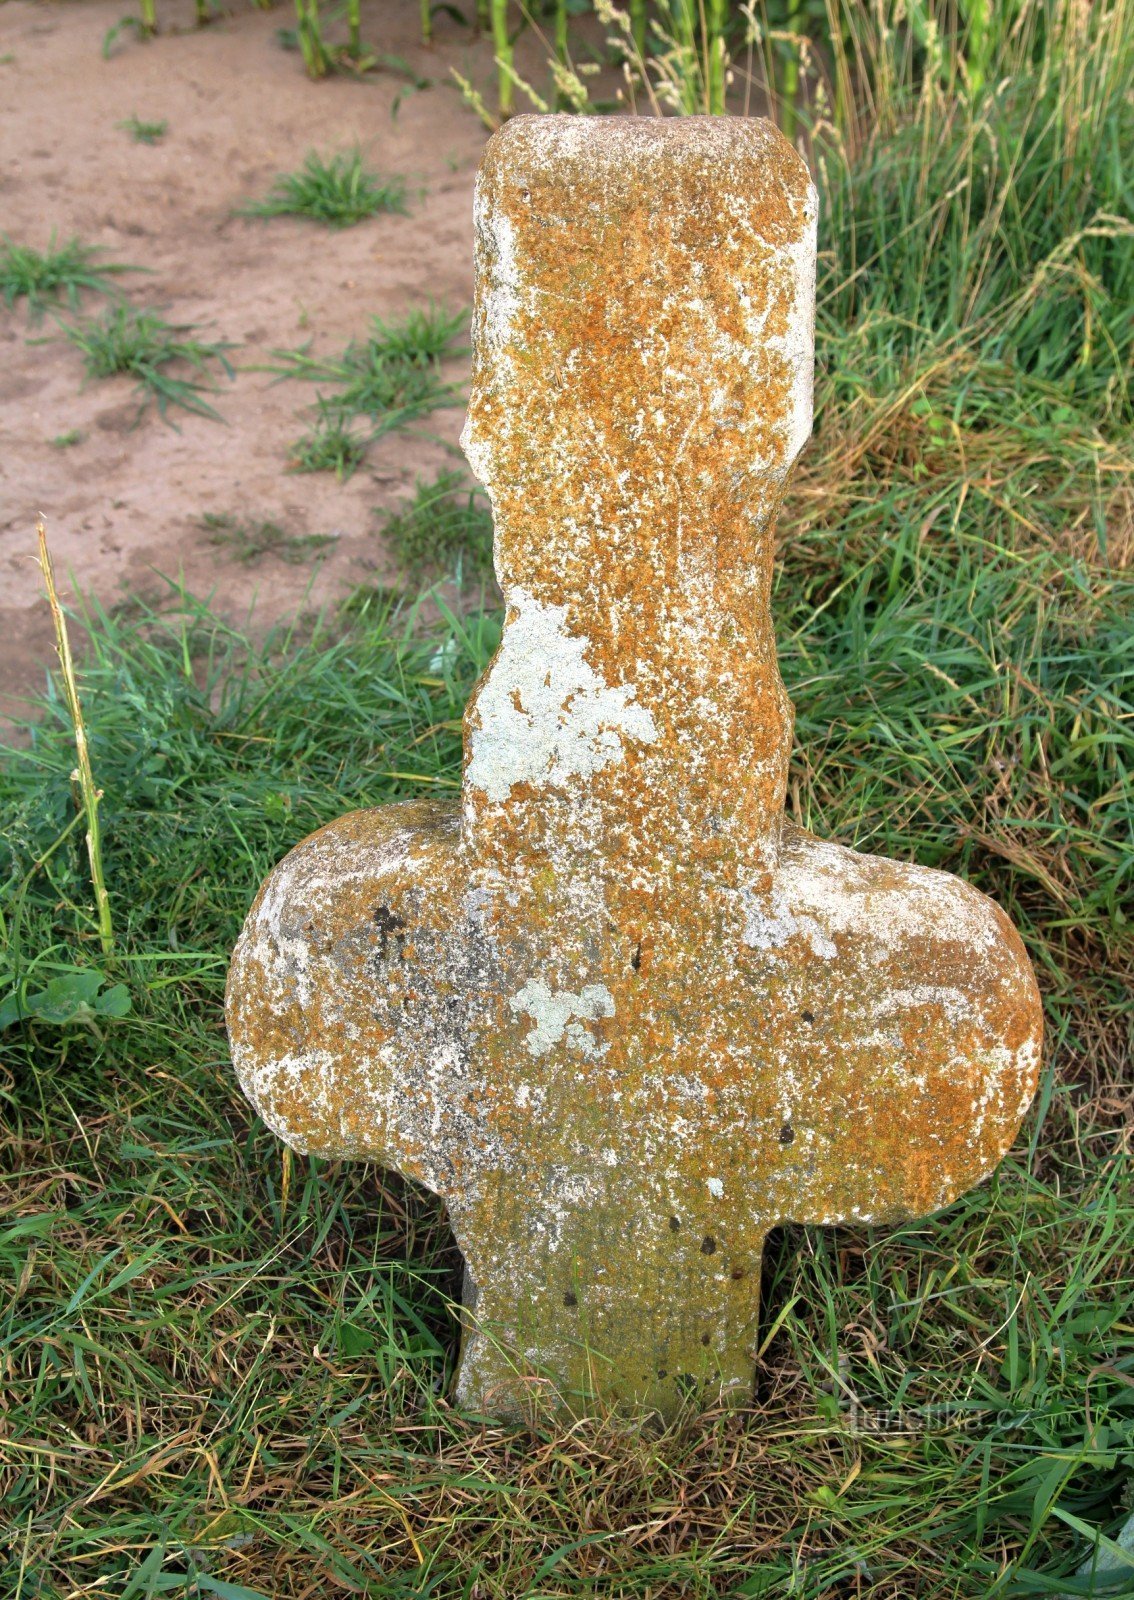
(909, 1033)
(349, 1035)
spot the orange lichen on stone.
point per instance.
(613, 1007)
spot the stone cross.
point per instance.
(613, 1006)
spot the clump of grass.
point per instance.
(143, 345)
(340, 192)
(391, 376)
(249, 542)
(64, 441)
(447, 523)
(59, 273)
(145, 132)
(332, 445)
(996, 220)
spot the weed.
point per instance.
(145, 132)
(340, 192)
(249, 542)
(74, 995)
(391, 377)
(502, 43)
(145, 346)
(60, 272)
(447, 523)
(354, 30)
(332, 445)
(370, 603)
(64, 441)
(143, 26)
(317, 57)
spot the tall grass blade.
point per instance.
(83, 775)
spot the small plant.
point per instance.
(58, 273)
(339, 192)
(144, 26)
(317, 57)
(330, 446)
(145, 346)
(502, 41)
(354, 30)
(391, 377)
(145, 132)
(64, 441)
(75, 995)
(447, 523)
(249, 542)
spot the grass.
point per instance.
(58, 274)
(224, 1365)
(65, 441)
(145, 132)
(446, 524)
(332, 445)
(143, 345)
(391, 378)
(250, 542)
(957, 702)
(339, 191)
(89, 796)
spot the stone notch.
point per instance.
(613, 1007)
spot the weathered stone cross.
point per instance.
(614, 1007)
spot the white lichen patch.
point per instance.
(555, 1013)
(769, 923)
(544, 715)
(842, 890)
(797, 343)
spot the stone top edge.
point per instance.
(554, 140)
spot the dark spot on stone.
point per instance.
(674, 1224)
(736, 1274)
(570, 1299)
(662, 1372)
(787, 1134)
(686, 1383)
(636, 957)
(705, 1340)
(708, 1245)
(387, 922)
(807, 1016)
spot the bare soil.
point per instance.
(125, 504)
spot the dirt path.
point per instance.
(126, 502)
